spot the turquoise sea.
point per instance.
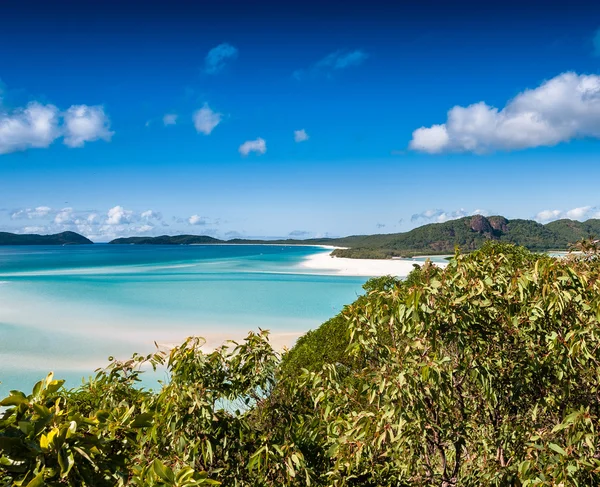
(66, 309)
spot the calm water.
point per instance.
(66, 309)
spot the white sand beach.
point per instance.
(359, 267)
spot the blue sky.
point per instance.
(303, 119)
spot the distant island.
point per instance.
(63, 238)
(468, 233)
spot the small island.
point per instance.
(63, 238)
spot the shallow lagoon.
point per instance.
(66, 309)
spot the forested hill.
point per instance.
(168, 240)
(468, 233)
(64, 238)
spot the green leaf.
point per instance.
(66, 461)
(38, 480)
(557, 449)
(143, 420)
(15, 399)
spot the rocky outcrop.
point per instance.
(480, 224)
(499, 223)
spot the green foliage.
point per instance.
(490, 379)
(486, 372)
(327, 344)
(168, 240)
(46, 440)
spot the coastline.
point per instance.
(342, 266)
(330, 247)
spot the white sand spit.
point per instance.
(341, 266)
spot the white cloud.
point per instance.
(151, 215)
(118, 215)
(433, 140)
(35, 126)
(560, 109)
(197, 220)
(441, 216)
(300, 135)
(337, 60)
(218, 56)
(205, 120)
(581, 213)
(259, 146)
(38, 125)
(31, 213)
(170, 119)
(64, 216)
(548, 215)
(84, 123)
(145, 228)
(578, 213)
(117, 222)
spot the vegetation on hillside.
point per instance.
(468, 233)
(471, 233)
(64, 238)
(168, 240)
(486, 372)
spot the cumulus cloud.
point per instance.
(118, 215)
(35, 126)
(151, 215)
(560, 109)
(116, 222)
(170, 119)
(64, 216)
(335, 61)
(84, 123)
(548, 215)
(218, 56)
(580, 213)
(441, 216)
(205, 120)
(300, 135)
(31, 213)
(38, 125)
(259, 146)
(197, 220)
